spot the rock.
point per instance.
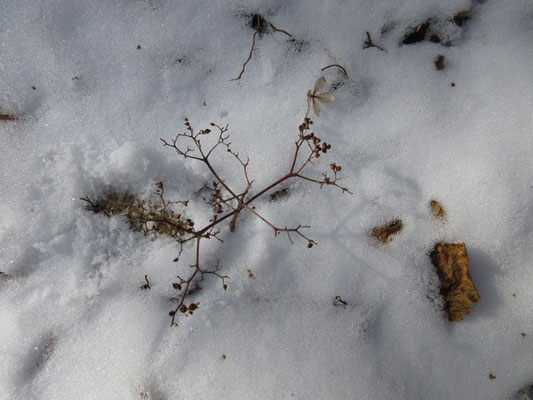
(459, 292)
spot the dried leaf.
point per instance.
(384, 232)
(459, 292)
(437, 210)
(7, 117)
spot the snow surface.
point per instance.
(74, 323)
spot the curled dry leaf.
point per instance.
(451, 260)
(384, 232)
(437, 210)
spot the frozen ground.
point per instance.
(74, 323)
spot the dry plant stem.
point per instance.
(253, 43)
(278, 30)
(249, 56)
(369, 43)
(338, 66)
(7, 117)
(236, 202)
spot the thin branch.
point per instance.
(369, 43)
(249, 55)
(278, 30)
(339, 66)
(258, 29)
(223, 195)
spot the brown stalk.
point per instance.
(259, 24)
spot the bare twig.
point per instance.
(338, 66)
(259, 22)
(227, 203)
(278, 30)
(224, 197)
(369, 43)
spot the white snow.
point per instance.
(74, 323)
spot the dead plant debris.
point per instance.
(280, 194)
(437, 210)
(383, 233)
(451, 260)
(8, 117)
(261, 25)
(417, 34)
(369, 43)
(432, 29)
(461, 17)
(439, 62)
(143, 215)
(340, 300)
(147, 284)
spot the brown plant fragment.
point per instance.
(461, 17)
(7, 117)
(384, 233)
(439, 62)
(437, 210)
(417, 34)
(451, 260)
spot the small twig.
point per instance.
(338, 66)
(278, 30)
(338, 298)
(369, 43)
(8, 117)
(258, 29)
(251, 51)
(229, 203)
(147, 284)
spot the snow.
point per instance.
(75, 323)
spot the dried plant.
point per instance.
(369, 43)
(7, 117)
(227, 203)
(313, 96)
